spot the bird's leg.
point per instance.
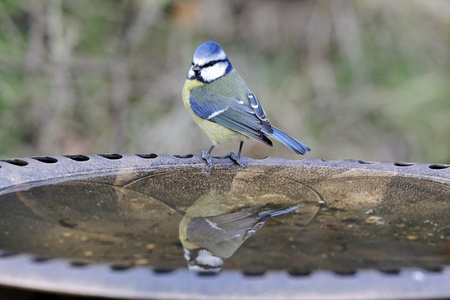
(237, 157)
(207, 156)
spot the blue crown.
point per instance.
(209, 49)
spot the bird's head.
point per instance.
(203, 260)
(209, 63)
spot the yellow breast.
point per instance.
(218, 134)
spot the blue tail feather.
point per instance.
(279, 211)
(288, 140)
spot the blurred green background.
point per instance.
(360, 79)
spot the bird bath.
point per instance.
(113, 221)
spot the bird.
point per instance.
(223, 106)
(211, 231)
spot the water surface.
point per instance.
(343, 223)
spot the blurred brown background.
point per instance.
(360, 79)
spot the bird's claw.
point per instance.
(206, 156)
(236, 158)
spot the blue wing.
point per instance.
(231, 113)
(248, 119)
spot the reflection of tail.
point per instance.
(288, 140)
(279, 211)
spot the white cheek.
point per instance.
(212, 73)
(191, 73)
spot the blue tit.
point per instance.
(210, 233)
(222, 105)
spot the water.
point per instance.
(248, 219)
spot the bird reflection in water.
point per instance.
(213, 229)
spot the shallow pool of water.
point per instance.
(342, 223)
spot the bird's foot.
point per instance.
(206, 156)
(236, 158)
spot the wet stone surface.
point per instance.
(345, 221)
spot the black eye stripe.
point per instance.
(212, 63)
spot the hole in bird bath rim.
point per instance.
(254, 272)
(183, 156)
(438, 167)
(365, 162)
(46, 159)
(147, 156)
(160, 270)
(207, 274)
(16, 162)
(296, 272)
(39, 259)
(345, 272)
(434, 269)
(112, 156)
(77, 157)
(402, 164)
(121, 267)
(390, 271)
(79, 264)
